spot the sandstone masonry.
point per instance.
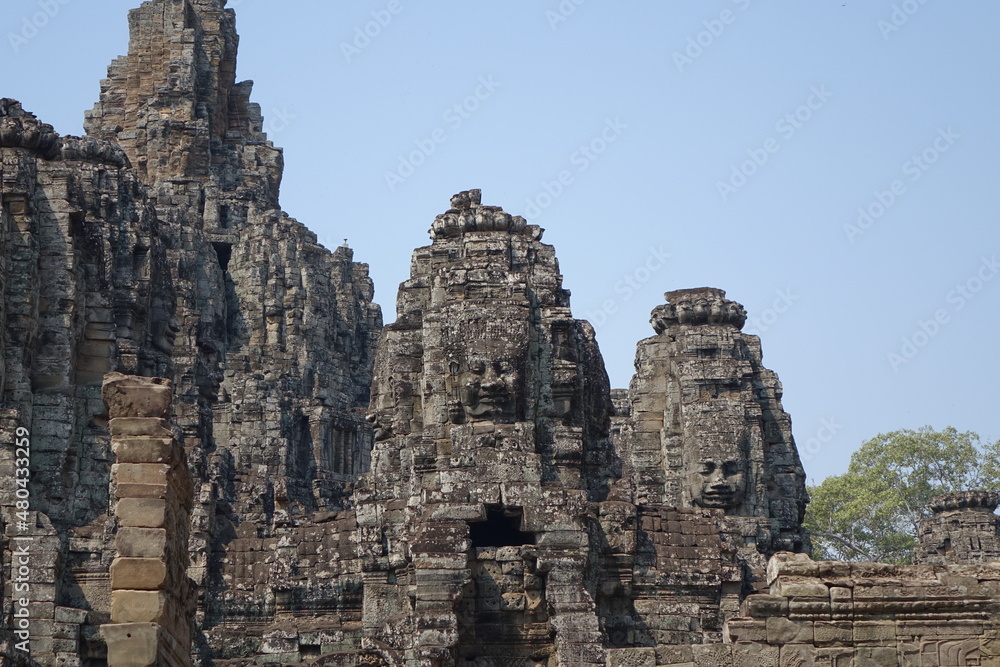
(233, 463)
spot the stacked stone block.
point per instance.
(151, 595)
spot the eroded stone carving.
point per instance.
(486, 360)
(962, 528)
(717, 475)
(494, 521)
(492, 409)
(705, 427)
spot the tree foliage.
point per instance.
(873, 511)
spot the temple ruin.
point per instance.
(233, 462)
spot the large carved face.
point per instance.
(484, 389)
(718, 480)
(486, 382)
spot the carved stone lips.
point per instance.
(724, 497)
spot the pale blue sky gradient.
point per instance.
(776, 243)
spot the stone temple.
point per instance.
(232, 461)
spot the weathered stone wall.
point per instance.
(843, 614)
(276, 334)
(86, 290)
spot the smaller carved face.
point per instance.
(381, 424)
(486, 390)
(164, 326)
(389, 394)
(717, 483)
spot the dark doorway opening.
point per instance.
(224, 251)
(502, 528)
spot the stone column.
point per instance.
(963, 529)
(151, 595)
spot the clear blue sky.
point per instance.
(831, 303)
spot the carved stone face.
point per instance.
(163, 326)
(394, 394)
(718, 481)
(485, 389)
(381, 424)
(485, 359)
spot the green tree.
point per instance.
(872, 512)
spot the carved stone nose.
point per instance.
(492, 380)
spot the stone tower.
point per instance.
(706, 426)
(169, 256)
(491, 407)
(962, 529)
(276, 333)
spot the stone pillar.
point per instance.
(963, 529)
(151, 597)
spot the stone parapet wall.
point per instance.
(854, 614)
